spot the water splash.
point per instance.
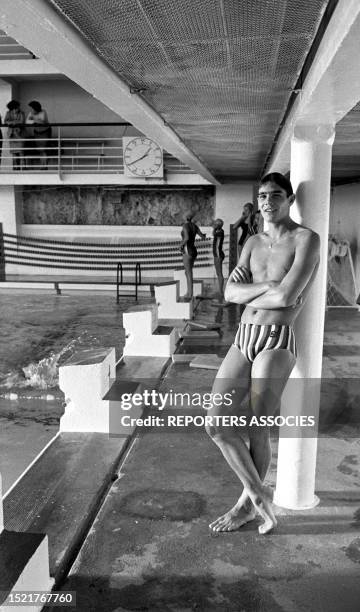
(44, 374)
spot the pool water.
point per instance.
(39, 332)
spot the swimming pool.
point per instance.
(38, 332)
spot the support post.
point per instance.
(311, 150)
(1, 508)
(233, 248)
(11, 209)
(2, 256)
(7, 92)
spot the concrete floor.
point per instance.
(150, 547)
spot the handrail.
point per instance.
(119, 268)
(137, 278)
(71, 147)
(70, 123)
(71, 153)
(119, 272)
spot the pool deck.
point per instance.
(150, 547)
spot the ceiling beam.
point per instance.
(26, 67)
(332, 86)
(47, 33)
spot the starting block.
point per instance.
(24, 563)
(85, 379)
(169, 306)
(179, 275)
(144, 337)
(93, 396)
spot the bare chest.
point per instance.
(272, 263)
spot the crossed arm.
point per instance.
(270, 294)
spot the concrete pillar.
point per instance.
(1, 508)
(10, 209)
(7, 93)
(310, 176)
(2, 256)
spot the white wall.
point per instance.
(65, 101)
(345, 219)
(230, 199)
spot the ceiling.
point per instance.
(11, 49)
(221, 73)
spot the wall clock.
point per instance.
(142, 157)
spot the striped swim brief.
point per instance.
(252, 339)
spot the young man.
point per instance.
(273, 277)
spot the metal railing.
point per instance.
(72, 148)
(120, 280)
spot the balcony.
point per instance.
(79, 153)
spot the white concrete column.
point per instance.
(7, 93)
(10, 208)
(1, 508)
(311, 150)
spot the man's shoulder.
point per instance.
(254, 239)
(304, 234)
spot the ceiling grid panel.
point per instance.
(219, 72)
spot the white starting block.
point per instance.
(179, 275)
(169, 306)
(24, 564)
(85, 379)
(144, 337)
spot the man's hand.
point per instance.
(299, 301)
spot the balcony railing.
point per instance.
(72, 148)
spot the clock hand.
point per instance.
(139, 158)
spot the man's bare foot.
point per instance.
(233, 519)
(263, 506)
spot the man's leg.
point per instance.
(270, 372)
(188, 266)
(235, 373)
(220, 277)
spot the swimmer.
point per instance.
(272, 278)
(189, 232)
(248, 223)
(219, 255)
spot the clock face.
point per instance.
(142, 157)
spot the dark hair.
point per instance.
(13, 104)
(35, 105)
(278, 179)
(249, 204)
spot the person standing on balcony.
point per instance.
(15, 119)
(38, 118)
(189, 232)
